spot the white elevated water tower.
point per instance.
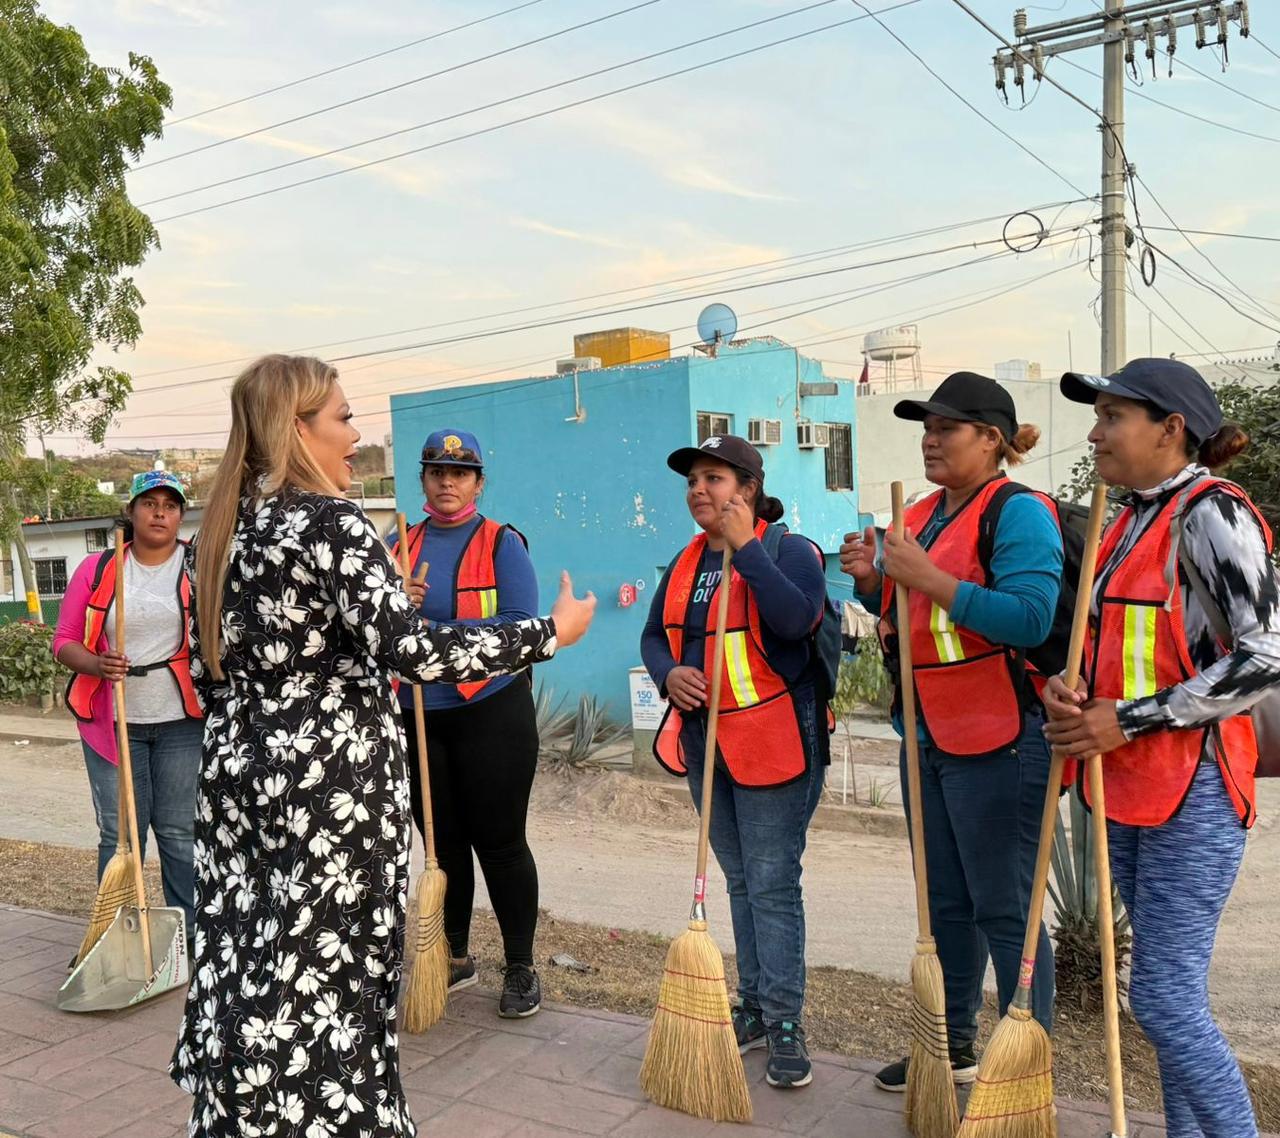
(894, 346)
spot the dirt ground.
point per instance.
(849, 1012)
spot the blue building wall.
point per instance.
(596, 497)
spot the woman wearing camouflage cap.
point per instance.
(165, 720)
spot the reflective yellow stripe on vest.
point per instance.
(488, 603)
(950, 650)
(735, 659)
(1139, 651)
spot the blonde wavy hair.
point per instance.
(265, 455)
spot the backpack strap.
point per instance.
(1179, 559)
(989, 522)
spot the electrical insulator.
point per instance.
(1020, 23)
(1150, 31)
(1198, 19)
(1128, 44)
(1223, 21)
(1244, 18)
(1037, 61)
(1171, 34)
(1019, 74)
(1002, 66)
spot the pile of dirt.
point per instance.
(595, 794)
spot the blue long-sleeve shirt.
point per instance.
(517, 598)
(1017, 606)
(789, 594)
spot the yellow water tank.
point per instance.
(623, 346)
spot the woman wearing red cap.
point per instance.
(165, 724)
(984, 763)
(1186, 638)
(772, 737)
(482, 737)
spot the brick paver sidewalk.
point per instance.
(565, 1071)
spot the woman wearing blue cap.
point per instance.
(165, 727)
(1186, 639)
(772, 741)
(982, 558)
(482, 737)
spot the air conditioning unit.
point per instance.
(577, 363)
(764, 432)
(811, 435)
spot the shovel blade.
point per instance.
(114, 975)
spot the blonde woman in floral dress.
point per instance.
(302, 816)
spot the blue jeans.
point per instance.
(758, 837)
(981, 830)
(166, 769)
(1174, 880)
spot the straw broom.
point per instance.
(117, 883)
(930, 1108)
(692, 1062)
(427, 987)
(1013, 1094)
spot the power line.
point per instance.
(397, 86)
(482, 107)
(1253, 36)
(353, 63)
(726, 275)
(989, 121)
(530, 117)
(1227, 300)
(1214, 233)
(1223, 84)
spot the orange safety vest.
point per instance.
(82, 688)
(1138, 647)
(965, 687)
(475, 581)
(758, 735)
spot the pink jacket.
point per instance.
(100, 732)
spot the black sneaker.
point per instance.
(788, 1064)
(462, 975)
(964, 1069)
(521, 992)
(748, 1026)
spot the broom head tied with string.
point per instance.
(930, 1110)
(115, 889)
(427, 988)
(692, 1062)
(1013, 1095)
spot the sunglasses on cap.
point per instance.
(449, 456)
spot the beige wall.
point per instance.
(889, 448)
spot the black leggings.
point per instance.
(482, 759)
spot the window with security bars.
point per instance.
(713, 423)
(51, 576)
(839, 457)
(96, 540)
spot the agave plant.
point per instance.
(552, 722)
(1074, 889)
(578, 737)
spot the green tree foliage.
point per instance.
(69, 234)
(54, 488)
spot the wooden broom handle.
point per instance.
(713, 723)
(1075, 658)
(906, 684)
(419, 713)
(1106, 936)
(124, 772)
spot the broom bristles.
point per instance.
(115, 889)
(692, 1062)
(1013, 1095)
(931, 1110)
(427, 989)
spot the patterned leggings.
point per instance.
(1174, 880)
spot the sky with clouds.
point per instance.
(827, 144)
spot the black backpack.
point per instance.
(826, 640)
(1049, 658)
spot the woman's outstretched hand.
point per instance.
(572, 616)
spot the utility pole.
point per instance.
(1121, 30)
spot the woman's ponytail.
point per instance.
(1221, 447)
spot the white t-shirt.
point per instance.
(153, 631)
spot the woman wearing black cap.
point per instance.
(1187, 621)
(482, 737)
(772, 747)
(984, 763)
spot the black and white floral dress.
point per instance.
(302, 826)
